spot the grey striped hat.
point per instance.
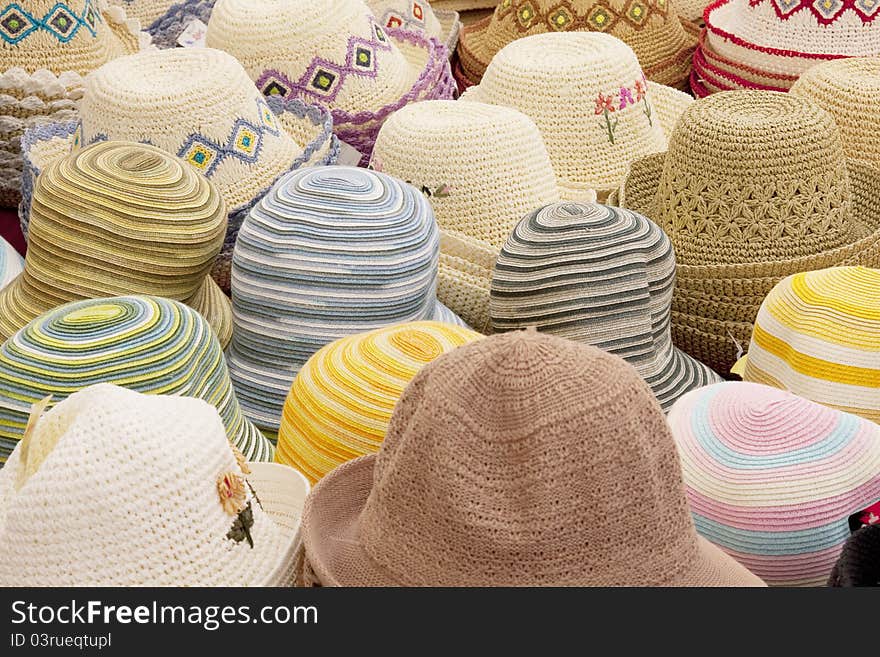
(601, 276)
(328, 252)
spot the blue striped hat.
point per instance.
(328, 252)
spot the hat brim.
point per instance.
(450, 28)
(681, 375)
(126, 37)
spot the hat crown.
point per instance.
(524, 458)
(407, 14)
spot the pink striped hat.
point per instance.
(773, 478)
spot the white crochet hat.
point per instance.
(418, 16)
(116, 488)
(146, 11)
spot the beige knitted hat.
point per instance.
(116, 488)
(146, 11)
(519, 460)
(418, 16)
(590, 99)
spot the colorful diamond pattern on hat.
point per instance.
(826, 12)
(563, 16)
(413, 19)
(62, 22)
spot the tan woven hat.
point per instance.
(417, 15)
(464, 5)
(120, 218)
(559, 448)
(146, 11)
(755, 186)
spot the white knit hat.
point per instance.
(116, 488)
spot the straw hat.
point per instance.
(518, 460)
(588, 96)
(11, 263)
(755, 187)
(120, 218)
(200, 105)
(691, 10)
(773, 479)
(146, 11)
(328, 252)
(148, 344)
(818, 334)
(464, 5)
(859, 561)
(342, 398)
(116, 488)
(332, 52)
(418, 16)
(652, 28)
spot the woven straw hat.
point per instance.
(329, 252)
(600, 276)
(418, 16)
(187, 510)
(464, 5)
(817, 334)
(588, 96)
(120, 218)
(148, 344)
(11, 263)
(342, 398)
(335, 53)
(691, 10)
(859, 561)
(772, 478)
(755, 187)
(652, 28)
(559, 448)
(146, 11)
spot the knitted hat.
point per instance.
(651, 28)
(200, 105)
(328, 252)
(148, 344)
(146, 11)
(755, 187)
(332, 52)
(588, 96)
(120, 218)
(818, 335)
(418, 16)
(691, 10)
(522, 459)
(772, 478)
(115, 488)
(601, 276)
(859, 561)
(341, 400)
(11, 263)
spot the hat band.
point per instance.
(62, 22)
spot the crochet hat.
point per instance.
(329, 252)
(601, 276)
(755, 186)
(120, 218)
(652, 28)
(818, 334)
(146, 11)
(200, 105)
(859, 561)
(11, 263)
(588, 96)
(341, 400)
(115, 488)
(332, 52)
(148, 344)
(418, 16)
(518, 460)
(773, 479)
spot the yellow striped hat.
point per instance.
(818, 335)
(341, 401)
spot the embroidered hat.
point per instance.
(588, 96)
(148, 344)
(859, 561)
(418, 16)
(601, 276)
(817, 334)
(116, 488)
(332, 52)
(328, 252)
(652, 28)
(342, 398)
(559, 449)
(755, 186)
(200, 105)
(11, 263)
(120, 218)
(773, 478)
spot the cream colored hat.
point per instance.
(116, 488)
(146, 11)
(586, 92)
(418, 16)
(483, 167)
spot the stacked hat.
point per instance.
(859, 561)
(200, 105)
(773, 479)
(120, 218)
(148, 344)
(691, 10)
(755, 186)
(11, 263)
(341, 401)
(328, 252)
(588, 96)
(333, 52)
(601, 276)
(817, 334)
(652, 28)
(115, 488)
(518, 460)
(418, 16)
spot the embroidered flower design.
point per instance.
(605, 106)
(626, 97)
(642, 91)
(639, 89)
(241, 527)
(230, 486)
